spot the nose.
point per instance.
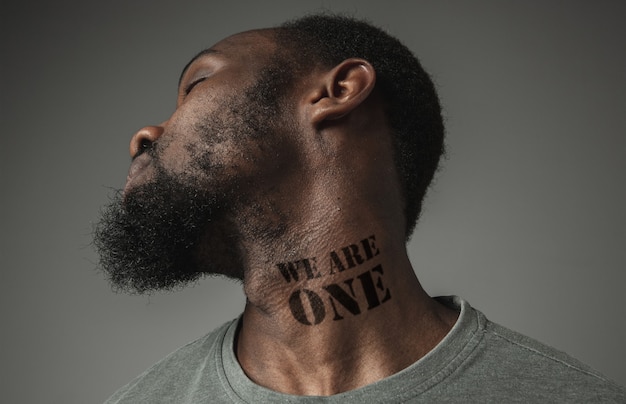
(143, 139)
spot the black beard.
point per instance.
(149, 239)
(168, 233)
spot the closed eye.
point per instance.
(193, 84)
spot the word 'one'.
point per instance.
(308, 306)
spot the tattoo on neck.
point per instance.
(340, 299)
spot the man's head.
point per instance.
(192, 171)
(233, 142)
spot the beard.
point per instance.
(150, 238)
(171, 231)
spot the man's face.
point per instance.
(206, 135)
(223, 146)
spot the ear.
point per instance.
(341, 90)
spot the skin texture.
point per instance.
(317, 184)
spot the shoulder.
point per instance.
(520, 348)
(521, 363)
(175, 373)
(491, 363)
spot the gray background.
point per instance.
(526, 221)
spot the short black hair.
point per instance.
(412, 105)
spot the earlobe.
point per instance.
(341, 90)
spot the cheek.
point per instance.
(182, 141)
(225, 143)
(172, 154)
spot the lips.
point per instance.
(137, 170)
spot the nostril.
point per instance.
(144, 145)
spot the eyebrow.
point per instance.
(198, 56)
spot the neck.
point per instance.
(333, 302)
(342, 317)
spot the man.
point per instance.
(296, 161)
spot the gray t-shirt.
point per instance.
(477, 362)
